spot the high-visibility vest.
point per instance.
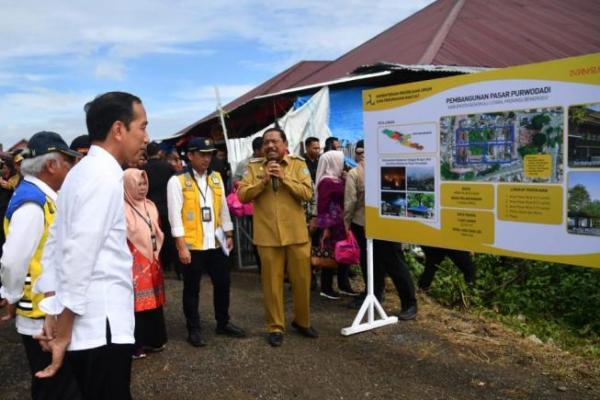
(191, 213)
(28, 192)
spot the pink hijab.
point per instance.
(137, 211)
(331, 165)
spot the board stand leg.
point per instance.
(370, 305)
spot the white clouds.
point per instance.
(311, 29)
(80, 49)
(24, 113)
(111, 70)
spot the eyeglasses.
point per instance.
(359, 152)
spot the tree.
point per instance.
(539, 139)
(578, 198)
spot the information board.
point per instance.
(505, 161)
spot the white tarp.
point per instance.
(312, 119)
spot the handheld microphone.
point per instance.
(274, 180)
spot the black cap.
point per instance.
(81, 144)
(202, 144)
(360, 144)
(46, 142)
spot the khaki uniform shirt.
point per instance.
(278, 216)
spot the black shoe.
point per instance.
(230, 330)
(408, 313)
(309, 332)
(275, 339)
(195, 339)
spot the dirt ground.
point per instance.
(443, 354)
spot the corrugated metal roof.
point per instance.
(479, 33)
(476, 33)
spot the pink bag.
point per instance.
(248, 209)
(347, 251)
(237, 208)
(235, 205)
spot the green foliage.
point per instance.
(539, 139)
(538, 121)
(526, 150)
(476, 150)
(553, 301)
(446, 173)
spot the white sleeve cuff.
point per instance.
(51, 306)
(177, 231)
(227, 226)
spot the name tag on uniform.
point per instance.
(206, 214)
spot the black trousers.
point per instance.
(387, 260)
(103, 373)
(359, 235)
(434, 256)
(61, 386)
(168, 252)
(343, 278)
(213, 262)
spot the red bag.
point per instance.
(347, 251)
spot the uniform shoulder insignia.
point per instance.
(296, 157)
(256, 160)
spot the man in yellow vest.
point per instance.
(203, 234)
(278, 184)
(29, 215)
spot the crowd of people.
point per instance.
(90, 229)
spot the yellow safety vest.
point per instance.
(191, 214)
(28, 306)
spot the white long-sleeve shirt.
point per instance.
(25, 230)
(88, 254)
(175, 204)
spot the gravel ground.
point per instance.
(438, 356)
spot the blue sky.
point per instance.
(589, 179)
(55, 56)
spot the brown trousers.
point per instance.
(274, 261)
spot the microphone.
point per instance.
(274, 180)
(274, 183)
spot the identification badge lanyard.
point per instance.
(148, 222)
(206, 211)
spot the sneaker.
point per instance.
(330, 294)
(149, 349)
(138, 354)
(348, 292)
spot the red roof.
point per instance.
(479, 33)
(476, 33)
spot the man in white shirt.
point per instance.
(202, 229)
(88, 255)
(29, 215)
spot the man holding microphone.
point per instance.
(278, 184)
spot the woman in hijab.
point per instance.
(145, 238)
(330, 219)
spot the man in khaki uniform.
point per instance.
(278, 184)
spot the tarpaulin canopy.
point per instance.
(311, 119)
